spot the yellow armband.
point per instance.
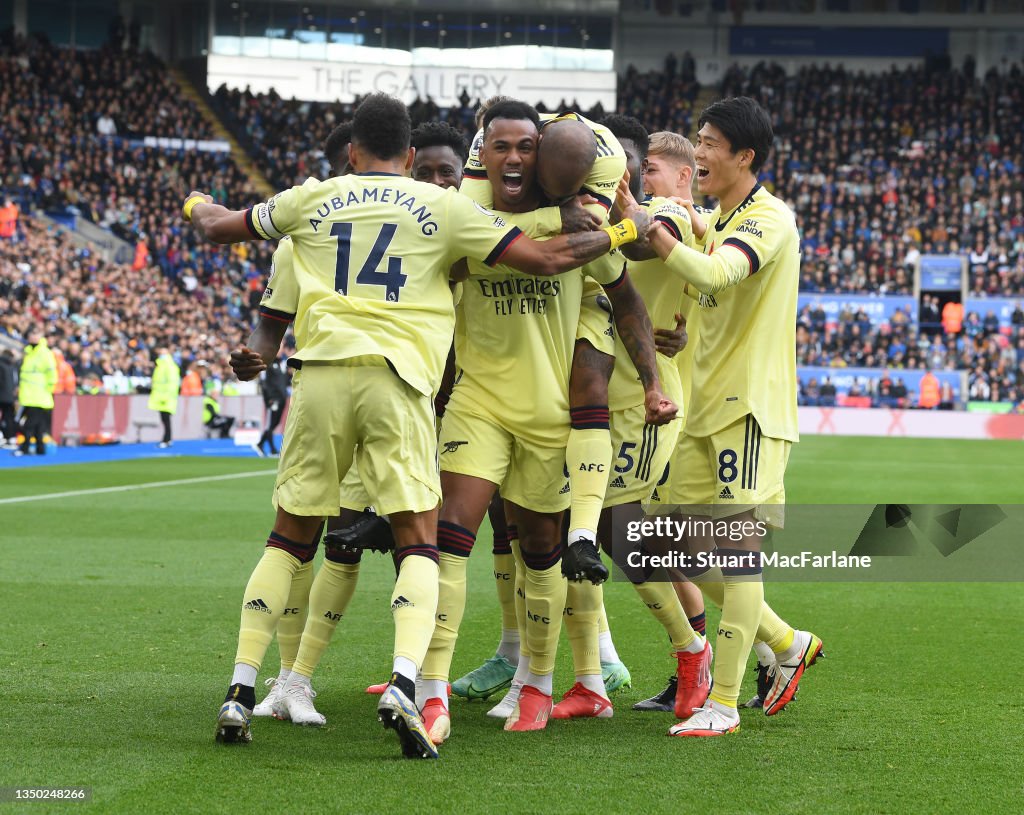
(622, 232)
(190, 203)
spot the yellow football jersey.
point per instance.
(371, 255)
(660, 291)
(684, 359)
(745, 358)
(514, 343)
(608, 169)
(280, 299)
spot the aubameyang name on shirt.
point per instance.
(377, 195)
(520, 295)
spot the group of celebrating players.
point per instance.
(511, 292)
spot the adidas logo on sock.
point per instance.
(257, 605)
(726, 493)
(619, 482)
(654, 495)
(564, 489)
(401, 602)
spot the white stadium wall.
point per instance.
(928, 424)
(130, 419)
(321, 81)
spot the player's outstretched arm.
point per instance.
(216, 223)
(633, 324)
(710, 274)
(565, 252)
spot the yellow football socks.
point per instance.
(588, 457)
(661, 599)
(289, 629)
(328, 600)
(451, 604)
(263, 604)
(545, 600)
(584, 605)
(414, 604)
(743, 598)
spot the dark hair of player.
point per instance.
(381, 126)
(485, 106)
(440, 134)
(626, 127)
(744, 123)
(513, 109)
(335, 144)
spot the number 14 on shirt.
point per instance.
(392, 280)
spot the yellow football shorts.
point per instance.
(733, 471)
(353, 494)
(640, 454)
(596, 325)
(529, 475)
(359, 401)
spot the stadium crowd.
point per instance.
(70, 141)
(869, 202)
(107, 320)
(883, 168)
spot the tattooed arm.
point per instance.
(637, 334)
(565, 252)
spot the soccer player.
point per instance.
(588, 449)
(315, 603)
(742, 421)
(372, 252)
(498, 433)
(643, 452)
(562, 172)
(668, 173)
(440, 154)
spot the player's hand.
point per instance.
(246, 364)
(625, 206)
(577, 219)
(696, 221)
(671, 341)
(202, 197)
(658, 410)
(624, 200)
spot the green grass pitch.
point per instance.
(119, 631)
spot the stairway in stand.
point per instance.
(707, 95)
(240, 156)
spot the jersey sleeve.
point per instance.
(279, 216)
(281, 297)
(543, 221)
(478, 233)
(750, 247)
(608, 270)
(676, 219)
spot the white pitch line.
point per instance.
(22, 499)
